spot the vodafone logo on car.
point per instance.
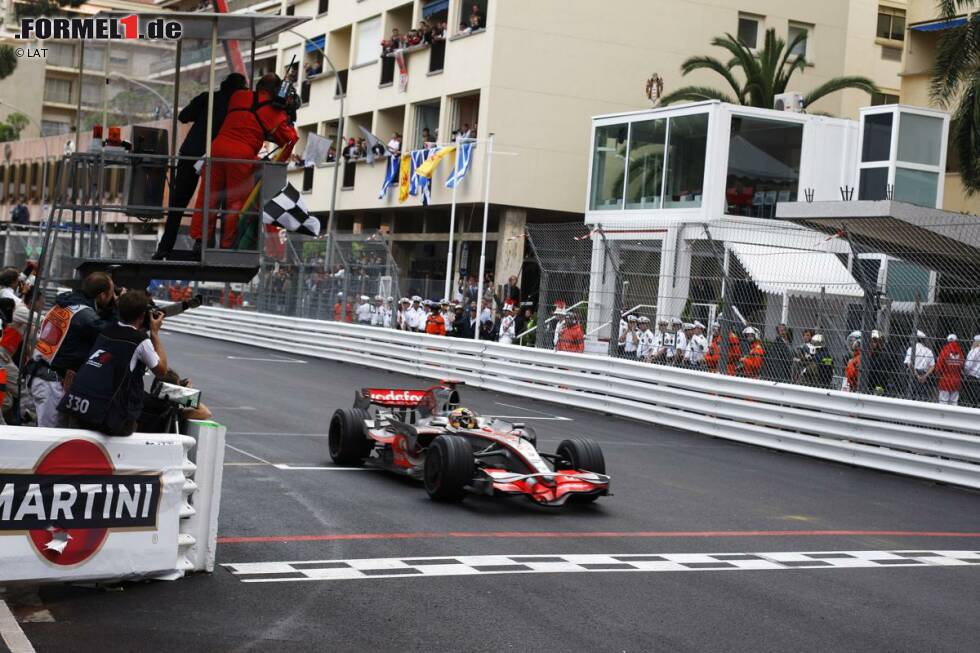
(390, 397)
(72, 499)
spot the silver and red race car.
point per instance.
(425, 434)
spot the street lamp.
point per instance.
(166, 105)
(331, 224)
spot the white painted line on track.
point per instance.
(266, 360)
(321, 468)
(293, 435)
(530, 410)
(11, 632)
(466, 565)
(232, 407)
(538, 419)
(250, 455)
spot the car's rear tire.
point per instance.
(346, 438)
(448, 468)
(584, 454)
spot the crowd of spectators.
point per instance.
(894, 369)
(429, 33)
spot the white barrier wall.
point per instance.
(76, 505)
(929, 441)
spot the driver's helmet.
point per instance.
(462, 418)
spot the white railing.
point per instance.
(929, 441)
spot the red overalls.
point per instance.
(242, 135)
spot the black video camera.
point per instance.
(286, 97)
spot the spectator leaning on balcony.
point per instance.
(511, 292)
(971, 373)
(920, 367)
(395, 144)
(949, 370)
(19, 213)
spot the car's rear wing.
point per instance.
(409, 404)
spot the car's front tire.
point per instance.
(448, 468)
(346, 438)
(586, 455)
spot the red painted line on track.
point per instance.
(580, 534)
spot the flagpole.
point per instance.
(483, 240)
(452, 229)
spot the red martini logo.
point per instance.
(71, 500)
(386, 397)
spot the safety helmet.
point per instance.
(750, 331)
(817, 340)
(462, 418)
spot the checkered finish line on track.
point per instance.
(265, 572)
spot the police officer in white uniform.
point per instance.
(646, 342)
(683, 337)
(364, 310)
(697, 347)
(920, 368)
(414, 313)
(507, 328)
(630, 337)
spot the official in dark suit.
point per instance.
(184, 182)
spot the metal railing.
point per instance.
(935, 442)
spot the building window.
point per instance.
(878, 99)
(53, 127)
(608, 167)
(290, 10)
(748, 30)
(57, 90)
(472, 15)
(426, 124)
(322, 7)
(891, 24)
(802, 32)
(644, 181)
(686, 145)
(877, 137)
(368, 37)
(763, 165)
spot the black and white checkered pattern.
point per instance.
(257, 572)
(288, 210)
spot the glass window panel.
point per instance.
(919, 138)
(898, 28)
(646, 164)
(874, 183)
(907, 282)
(800, 48)
(368, 37)
(608, 167)
(916, 187)
(884, 26)
(748, 32)
(877, 99)
(685, 161)
(877, 137)
(763, 165)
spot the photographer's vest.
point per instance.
(106, 395)
(54, 328)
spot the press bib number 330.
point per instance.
(76, 404)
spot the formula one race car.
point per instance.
(425, 434)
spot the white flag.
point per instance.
(317, 148)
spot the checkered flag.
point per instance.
(288, 210)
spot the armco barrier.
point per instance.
(940, 443)
(78, 506)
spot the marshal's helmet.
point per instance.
(462, 418)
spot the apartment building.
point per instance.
(533, 76)
(925, 28)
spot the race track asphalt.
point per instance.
(675, 492)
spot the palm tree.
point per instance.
(956, 84)
(767, 73)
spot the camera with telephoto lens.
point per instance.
(287, 98)
(174, 308)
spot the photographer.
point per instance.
(107, 393)
(66, 337)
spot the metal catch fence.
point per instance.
(795, 305)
